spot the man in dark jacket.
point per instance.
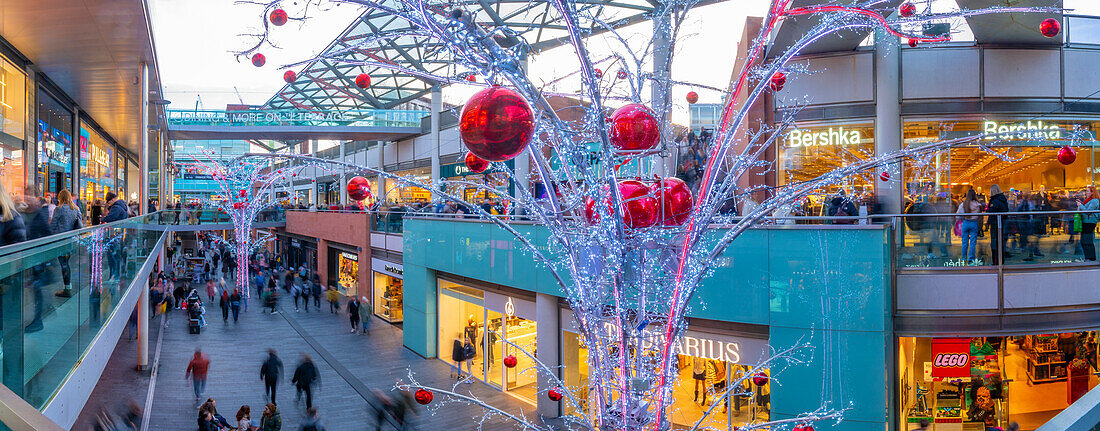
(270, 373)
(998, 203)
(116, 208)
(304, 377)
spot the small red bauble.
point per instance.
(598, 72)
(238, 205)
(241, 193)
(778, 81)
(803, 427)
(621, 74)
(496, 124)
(358, 188)
(510, 361)
(692, 97)
(258, 60)
(423, 396)
(278, 17)
(885, 176)
(554, 394)
(1067, 155)
(362, 80)
(471, 78)
(907, 10)
(290, 76)
(476, 164)
(634, 127)
(676, 201)
(760, 379)
(912, 43)
(1050, 27)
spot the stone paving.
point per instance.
(350, 366)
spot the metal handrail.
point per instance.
(63, 236)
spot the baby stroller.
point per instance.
(195, 312)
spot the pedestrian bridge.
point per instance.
(294, 124)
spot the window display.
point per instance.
(97, 171)
(388, 297)
(808, 151)
(348, 273)
(55, 144)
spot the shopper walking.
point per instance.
(235, 304)
(969, 226)
(196, 371)
(333, 300)
(311, 422)
(316, 289)
(998, 203)
(66, 217)
(1088, 222)
(210, 290)
(296, 293)
(12, 229)
(305, 376)
(353, 313)
(270, 373)
(271, 421)
(364, 314)
(224, 304)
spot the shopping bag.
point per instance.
(958, 227)
(1076, 223)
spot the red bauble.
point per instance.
(242, 193)
(358, 188)
(1050, 27)
(258, 60)
(362, 80)
(912, 43)
(885, 176)
(692, 97)
(497, 124)
(238, 205)
(510, 361)
(621, 74)
(598, 73)
(423, 396)
(760, 379)
(803, 427)
(278, 17)
(676, 201)
(639, 206)
(471, 78)
(554, 394)
(476, 164)
(907, 10)
(778, 81)
(634, 127)
(1067, 155)
(290, 76)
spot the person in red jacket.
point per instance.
(196, 371)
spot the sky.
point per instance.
(195, 40)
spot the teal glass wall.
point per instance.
(820, 285)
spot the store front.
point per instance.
(808, 151)
(494, 177)
(972, 383)
(97, 170)
(389, 293)
(399, 192)
(55, 144)
(706, 363)
(494, 324)
(328, 193)
(343, 269)
(298, 252)
(13, 114)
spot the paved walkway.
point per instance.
(350, 365)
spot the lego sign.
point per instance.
(951, 357)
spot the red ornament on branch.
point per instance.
(907, 10)
(803, 427)
(496, 124)
(476, 164)
(1050, 27)
(242, 193)
(778, 81)
(634, 127)
(621, 74)
(290, 76)
(510, 361)
(1067, 155)
(362, 80)
(676, 201)
(423, 396)
(884, 176)
(358, 188)
(912, 43)
(760, 379)
(554, 394)
(692, 97)
(640, 208)
(471, 78)
(258, 60)
(278, 17)
(598, 73)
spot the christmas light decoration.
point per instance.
(290, 76)
(259, 60)
(278, 17)
(1050, 27)
(692, 97)
(496, 124)
(633, 127)
(362, 80)
(1066, 155)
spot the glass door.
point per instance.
(493, 342)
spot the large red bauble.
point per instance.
(362, 80)
(598, 72)
(423, 396)
(510, 361)
(760, 379)
(1067, 155)
(554, 394)
(621, 74)
(258, 60)
(639, 206)
(496, 124)
(278, 17)
(884, 176)
(907, 10)
(358, 188)
(634, 127)
(676, 201)
(476, 164)
(912, 43)
(778, 81)
(692, 97)
(1050, 27)
(290, 76)
(803, 427)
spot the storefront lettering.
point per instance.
(833, 136)
(99, 156)
(349, 256)
(952, 360)
(710, 349)
(1031, 130)
(395, 270)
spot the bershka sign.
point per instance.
(951, 357)
(1029, 131)
(832, 136)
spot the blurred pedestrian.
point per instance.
(271, 421)
(311, 422)
(270, 373)
(305, 376)
(196, 371)
(353, 313)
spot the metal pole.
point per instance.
(143, 301)
(437, 106)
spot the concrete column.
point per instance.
(548, 332)
(437, 107)
(381, 168)
(343, 176)
(662, 99)
(143, 161)
(74, 186)
(888, 116)
(322, 261)
(143, 327)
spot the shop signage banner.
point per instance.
(510, 305)
(951, 357)
(460, 170)
(386, 267)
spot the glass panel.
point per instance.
(55, 143)
(97, 171)
(521, 380)
(575, 374)
(388, 297)
(13, 113)
(809, 151)
(493, 348)
(461, 320)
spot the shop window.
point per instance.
(388, 297)
(807, 152)
(97, 170)
(13, 113)
(55, 143)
